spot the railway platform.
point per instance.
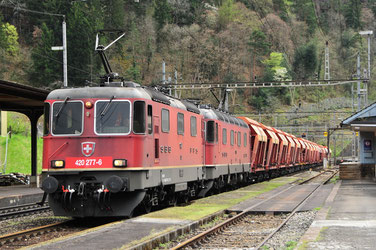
(19, 195)
(347, 220)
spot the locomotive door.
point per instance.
(203, 137)
(218, 137)
(156, 123)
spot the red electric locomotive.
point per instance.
(110, 149)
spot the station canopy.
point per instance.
(363, 120)
(21, 98)
(29, 101)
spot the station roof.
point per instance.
(21, 98)
(363, 120)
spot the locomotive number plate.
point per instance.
(92, 162)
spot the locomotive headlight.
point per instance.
(120, 163)
(57, 164)
(88, 104)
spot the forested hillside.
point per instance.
(206, 41)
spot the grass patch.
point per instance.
(320, 237)
(204, 207)
(290, 245)
(303, 246)
(317, 209)
(19, 154)
(334, 179)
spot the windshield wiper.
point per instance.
(62, 106)
(107, 106)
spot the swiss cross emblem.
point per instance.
(87, 148)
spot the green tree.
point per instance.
(162, 13)
(45, 68)
(114, 14)
(305, 11)
(10, 39)
(226, 13)
(281, 7)
(274, 69)
(80, 37)
(133, 73)
(305, 61)
(352, 13)
(258, 47)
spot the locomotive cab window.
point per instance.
(139, 117)
(193, 126)
(67, 118)
(112, 117)
(165, 120)
(180, 124)
(46, 128)
(210, 127)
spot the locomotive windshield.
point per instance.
(67, 118)
(115, 119)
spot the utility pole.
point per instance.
(358, 83)
(163, 72)
(65, 57)
(327, 72)
(175, 81)
(368, 33)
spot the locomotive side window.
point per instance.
(67, 118)
(46, 129)
(139, 117)
(210, 131)
(224, 136)
(232, 139)
(193, 126)
(112, 117)
(150, 119)
(239, 139)
(165, 120)
(245, 139)
(180, 124)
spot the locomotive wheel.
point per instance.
(146, 205)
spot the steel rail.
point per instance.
(227, 222)
(241, 215)
(296, 209)
(30, 232)
(313, 177)
(21, 210)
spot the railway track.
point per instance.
(47, 232)
(9, 239)
(251, 230)
(22, 210)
